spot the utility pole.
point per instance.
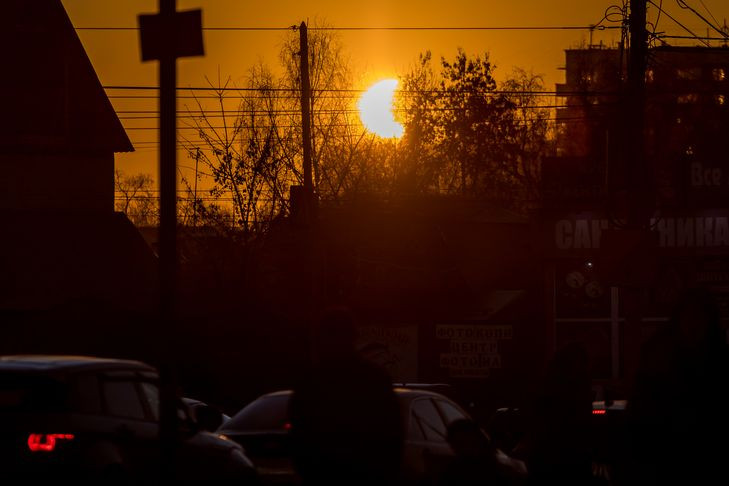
(639, 183)
(194, 191)
(305, 112)
(306, 199)
(168, 167)
(165, 37)
(638, 179)
(168, 239)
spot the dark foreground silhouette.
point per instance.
(556, 444)
(345, 419)
(678, 422)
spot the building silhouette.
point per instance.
(63, 246)
(686, 119)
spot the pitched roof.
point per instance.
(53, 99)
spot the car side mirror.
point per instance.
(186, 423)
(208, 418)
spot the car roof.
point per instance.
(45, 363)
(410, 393)
(405, 397)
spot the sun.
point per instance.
(375, 110)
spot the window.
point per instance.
(150, 395)
(689, 74)
(414, 430)
(426, 415)
(686, 99)
(122, 399)
(450, 412)
(719, 74)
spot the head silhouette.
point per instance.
(334, 335)
(696, 320)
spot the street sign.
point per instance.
(182, 35)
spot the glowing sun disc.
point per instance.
(375, 110)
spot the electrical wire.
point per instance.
(378, 28)
(709, 11)
(686, 6)
(296, 95)
(679, 23)
(690, 37)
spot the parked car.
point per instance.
(84, 418)
(609, 425)
(262, 428)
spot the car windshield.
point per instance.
(27, 393)
(266, 413)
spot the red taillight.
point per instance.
(599, 412)
(46, 442)
(287, 426)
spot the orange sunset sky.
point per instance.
(374, 54)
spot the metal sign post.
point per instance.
(165, 37)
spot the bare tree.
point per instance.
(134, 196)
(252, 150)
(338, 138)
(242, 151)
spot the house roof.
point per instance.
(53, 99)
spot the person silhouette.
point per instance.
(345, 419)
(556, 446)
(677, 420)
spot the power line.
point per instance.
(709, 11)
(185, 144)
(294, 92)
(243, 113)
(686, 6)
(693, 37)
(385, 28)
(679, 23)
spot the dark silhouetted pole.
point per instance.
(194, 191)
(638, 178)
(165, 37)
(306, 114)
(168, 234)
(308, 202)
(168, 169)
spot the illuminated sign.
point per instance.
(673, 232)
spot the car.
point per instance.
(609, 425)
(262, 428)
(81, 418)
